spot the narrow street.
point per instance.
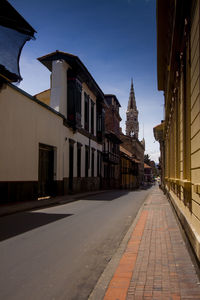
(59, 252)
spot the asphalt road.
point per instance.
(60, 252)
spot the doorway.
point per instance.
(46, 171)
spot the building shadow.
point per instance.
(107, 196)
(13, 225)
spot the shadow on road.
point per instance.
(107, 196)
(16, 224)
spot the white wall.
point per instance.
(23, 125)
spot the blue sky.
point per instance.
(115, 39)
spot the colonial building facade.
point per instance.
(178, 27)
(54, 146)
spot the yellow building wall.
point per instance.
(195, 121)
(44, 96)
(182, 143)
(127, 180)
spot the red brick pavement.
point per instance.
(156, 263)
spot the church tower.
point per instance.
(132, 125)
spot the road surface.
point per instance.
(60, 252)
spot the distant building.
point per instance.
(178, 61)
(154, 168)
(132, 124)
(148, 175)
(110, 152)
(130, 140)
(128, 170)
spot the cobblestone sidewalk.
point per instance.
(156, 263)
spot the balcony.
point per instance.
(110, 157)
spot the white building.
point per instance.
(52, 143)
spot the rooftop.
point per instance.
(77, 66)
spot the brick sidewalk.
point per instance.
(156, 263)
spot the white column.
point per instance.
(59, 86)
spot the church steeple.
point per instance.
(131, 102)
(132, 125)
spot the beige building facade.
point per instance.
(178, 30)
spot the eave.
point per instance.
(10, 18)
(161, 17)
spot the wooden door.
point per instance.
(46, 171)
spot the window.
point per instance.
(92, 117)
(100, 119)
(86, 114)
(74, 93)
(79, 159)
(86, 160)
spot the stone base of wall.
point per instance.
(86, 184)
(110, 183)
(190, 233)
(17, 191)
(14, 191)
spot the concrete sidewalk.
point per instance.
(156, 263)
(11, 208)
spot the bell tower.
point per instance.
(132, 125)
